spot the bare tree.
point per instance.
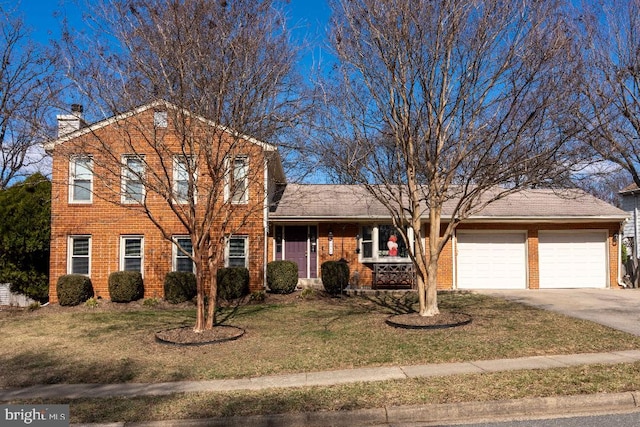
(445, 104)
(223, 70)
(27, 90)
(610, 86)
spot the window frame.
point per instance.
(177, 254)
(181, 164)
(71, 256)
(74, 180)
(375, 245)
(232, 193)
(126, 198)
(228, 256)
(123, 255)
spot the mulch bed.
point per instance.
(186, 336)
(446, 319)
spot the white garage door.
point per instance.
(491, 260)
(573, 259)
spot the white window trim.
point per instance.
(177, 161)
(123, 182)
(122, 248)
(246, 250)
(72, 179)
(375, 243)
(229, 178)
(70, 255)
(176, 251)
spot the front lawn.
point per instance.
(116, 343)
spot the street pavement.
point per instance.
(616, 308)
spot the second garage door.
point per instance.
(491, 260)
(573, 259)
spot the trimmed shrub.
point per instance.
(179, 286)
(282, 276)
(233, 283)
(125, 286)
(73, 289)
(335, 276)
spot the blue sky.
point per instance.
(308, 17)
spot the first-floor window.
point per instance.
(131, 251)
(237, 252)
(383, 242)
(79, 255)
(182, 261)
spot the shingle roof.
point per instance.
(327, 202)
(630, 189)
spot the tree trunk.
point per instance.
(430, 307)
(200, 282)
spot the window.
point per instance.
(380, 243)
(239, 191)
(80, 179)
(367, 242)
(160, 119)
(131, 251)
(181, 261)
(182, 166)
(237, 252)
(132, 175)
(79, 248)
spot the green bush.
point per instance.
(233, 283)
(179, 286)
(125, 286)
(73, 289)
(282, 276)
(335, 276)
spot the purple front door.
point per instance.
(300, 247)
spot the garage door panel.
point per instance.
(573, 259)
(491, 260)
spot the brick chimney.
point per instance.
(68, 123)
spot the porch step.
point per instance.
(310, 283)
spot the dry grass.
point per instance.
(112, 344)
(458, 388)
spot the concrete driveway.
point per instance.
(616, 308)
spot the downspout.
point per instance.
(265, 224)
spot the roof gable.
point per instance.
(153, 105)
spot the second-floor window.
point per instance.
(239, 185)
(132, 179)
(183, 166)
(80, 179)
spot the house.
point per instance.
(630, 203)
(533, 239)
(105, 176)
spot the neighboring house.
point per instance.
(630, 203)
(534, 239)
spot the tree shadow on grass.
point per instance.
(33, 368)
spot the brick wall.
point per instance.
(106, 219)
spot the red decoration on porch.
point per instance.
(392, 245)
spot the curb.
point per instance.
(437, 413)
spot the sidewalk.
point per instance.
(379, 416)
